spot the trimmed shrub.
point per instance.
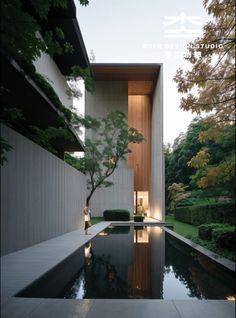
(203, 214)
(138, 218)
(225, 237)
(205, 230)
(116, 215)
(183, 214)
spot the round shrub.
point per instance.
(205, 230)
(225, 238)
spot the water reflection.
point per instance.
(146, 262)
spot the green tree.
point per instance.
(184, 148)
(104, 152)
(212, 66)
(177, 193)
(24, 40)
(215, 163)
(210, 89)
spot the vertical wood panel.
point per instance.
(139, 116)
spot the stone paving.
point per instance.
(21, 268)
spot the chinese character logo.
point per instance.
(184, 26)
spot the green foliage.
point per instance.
(20, 28)
(45, 137)
(218, 172)
(4, 149)
(191, 232)
(181, 228)
(177, 193)
(18, 32)
(138, 218)
(215, 174)
(225, 237)
(184, 148)
(210, 245)
(214, 213)
(210, 81)
(209, 87)
(78, 72)
(205, 230)
(103, 152)
(116, 215)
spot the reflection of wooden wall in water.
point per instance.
(139, 278)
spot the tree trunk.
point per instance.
(90, 196)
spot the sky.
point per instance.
(151, 31)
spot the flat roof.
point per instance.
(125, 71)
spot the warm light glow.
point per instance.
(230, 298)
(158, 231)
(103, 233)
(141, 236)
(157, 214)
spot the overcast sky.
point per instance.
(151, 31)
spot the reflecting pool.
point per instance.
(146, 262)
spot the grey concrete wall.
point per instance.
(110, 96)
(118, 196)
(157, 193)
(41, 196)
(46, 66)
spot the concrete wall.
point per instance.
(118, 196)
(110, 96)
(41, 196)
(157, 193)
(46, 66)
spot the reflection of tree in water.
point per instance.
(203, 277)
(102, 279)
(180, 264)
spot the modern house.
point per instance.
(136, 90)
(41, 196)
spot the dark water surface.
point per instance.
(146, 262)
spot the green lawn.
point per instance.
(191, 232)
(181, 228)
(96, 219)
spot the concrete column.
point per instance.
(157, 191)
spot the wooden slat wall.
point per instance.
(139, 116)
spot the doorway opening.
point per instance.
(141, 202)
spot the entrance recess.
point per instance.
(141, 202)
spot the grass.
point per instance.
(181, 228)
(96, 219)
(191, 232)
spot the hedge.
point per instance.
(205, 230)
(116, 215)
(224, 237)
(202, 214)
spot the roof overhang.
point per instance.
(64, 18)
(38, 110)
(125, 71)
